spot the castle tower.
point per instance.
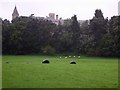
(15, 13)
(52, 16)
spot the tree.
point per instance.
(26, 35)
(76, 34)
(114, 30)
(30, 35)
(62, 39)
(107, 46)
(99, 14)
(98, 27)
(6, 37)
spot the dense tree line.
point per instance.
(27, 35)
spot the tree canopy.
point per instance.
(27, 35)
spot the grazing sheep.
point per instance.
(69, 56)
(78, 56)
(60, 57)
(74, 56)
(72, 62)
(7, 62)
(45, 61)
(65, 57)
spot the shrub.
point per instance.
(49, 50)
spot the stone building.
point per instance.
(51, 17)
(55, 19)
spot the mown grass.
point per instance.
(89, 72)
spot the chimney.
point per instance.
(56, 17)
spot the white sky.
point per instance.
(84, 9)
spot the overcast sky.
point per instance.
(84, 9)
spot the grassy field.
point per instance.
(29, 72)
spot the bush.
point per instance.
(91, 52)
(49, 50)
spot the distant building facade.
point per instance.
(52, 17)
(15, 13)
(0, 23)
(55, 19)
(119, 8)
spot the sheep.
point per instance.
(45, 61)
(78, 56)
(7, 62)
(72, 62)
(65, 57)
(69, 56)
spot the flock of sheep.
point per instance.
(71, 56)
(46, 61)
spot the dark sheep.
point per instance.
(45, 61)
(7, 62)
(72, 62)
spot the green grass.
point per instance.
(29, 72)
